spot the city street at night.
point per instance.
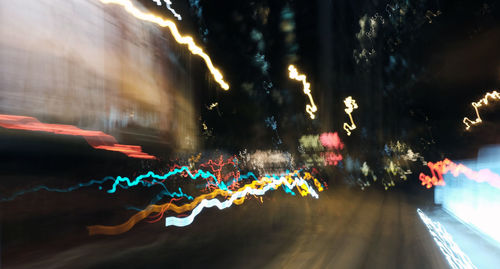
(250, 134)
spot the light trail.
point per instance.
(151, 174)
(126, 226)
(169, 7)
(294, 74)
(96, 139)
(350, 106)
(261, 184)
(452, 252)
(212, 105)
(184, 40)
(484, 101)
(185, 221)
(440, 168)
(69, 189)
(122, 228)
(101, 182)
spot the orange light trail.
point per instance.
(294, 74)
(96, 139)
(184, 40)
(468, 122)
(440, 168)
(126, 226)
(161, 209)
(350, 106)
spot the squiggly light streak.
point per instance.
(169, 6)
(294, 74)
(96, 139)
(115, 184)
(119, 229)
(263, 182)
(185, 221)
(454, 255)
(445, 166)
(350, 106)
(493, 95)
(185, 40)
(69, 189)
(212, 105)
(151, 174)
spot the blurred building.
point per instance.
(83, 63)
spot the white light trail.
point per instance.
(454, 255)
(184, 40)
(185, 221)
(169, 6)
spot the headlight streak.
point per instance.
(442, 167)
(294, 74)
(169, 7)
(265, 183)
(484, 101)
(350, 106)
(96, 139)
(185, 40)
(452, 252)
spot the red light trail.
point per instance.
(445, 166)
(96, 139)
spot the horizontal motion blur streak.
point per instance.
(96, 139)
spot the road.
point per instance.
(344, 228)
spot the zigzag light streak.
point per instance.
(454, 255)
(158, 179)
(100, 182)
(440, 168)
(121, 228)
(468, 122)
(350, 106)
(169, 6)
(151, 174)
(96, 139)
(181, 222)
(69, 189)
(294, 74)
(185, 40)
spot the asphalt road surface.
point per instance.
(344, 228)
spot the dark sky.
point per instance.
(416, 87)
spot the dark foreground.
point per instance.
(345, 228)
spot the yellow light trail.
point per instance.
(476, 105)
(184, 40)
(351, 105)
(257, 184)
(294, 74)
